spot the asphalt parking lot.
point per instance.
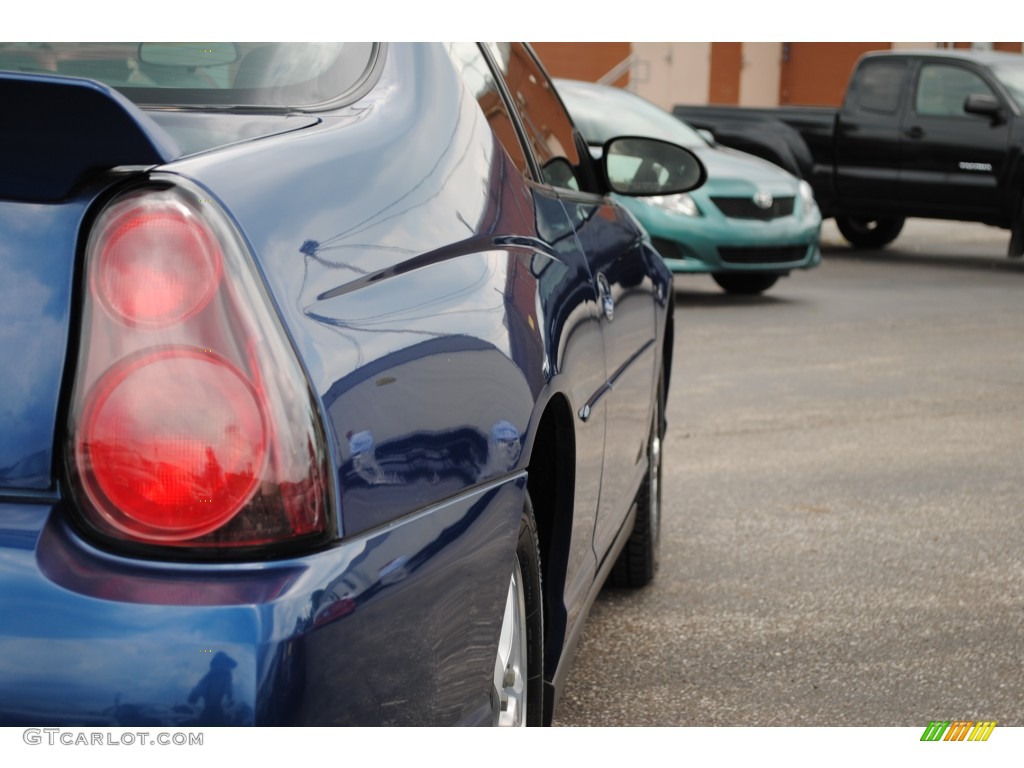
(842, 540)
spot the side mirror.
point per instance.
(189, 55)
(708, 136)
(640, 167)
(984, 104)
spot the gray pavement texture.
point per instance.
(843, 498)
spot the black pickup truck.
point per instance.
(926, 133)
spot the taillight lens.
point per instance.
(174, 442)
(155, 267)
(192, 424)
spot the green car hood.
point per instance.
(733, 172)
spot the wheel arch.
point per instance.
(668, 343)
(551, 483)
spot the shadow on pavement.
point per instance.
(898, 257)
(693, 298)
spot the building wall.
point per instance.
(761, 74)
(672, 73)
(726, 65)
(585, 61)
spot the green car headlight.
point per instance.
(807, 195)
(682, 204)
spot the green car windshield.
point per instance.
(211, 75)
(601, 115)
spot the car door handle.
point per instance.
(604, 291)
(915, 132)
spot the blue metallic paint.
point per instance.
(37, 264)
(116, 641)
(439, 304)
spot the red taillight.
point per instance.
(192, 424)
(155, 268)
(173, 444)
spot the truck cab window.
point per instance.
(942, 90)
(879, 84)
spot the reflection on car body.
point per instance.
(315, 355)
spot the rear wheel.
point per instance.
(518, 695)
(638, 560)
(869, 231)
(744, 284)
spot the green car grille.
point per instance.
(746, 208)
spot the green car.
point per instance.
(748, 225)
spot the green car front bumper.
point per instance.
(715, 243)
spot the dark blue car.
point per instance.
(332, 383)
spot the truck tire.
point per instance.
(868, 231)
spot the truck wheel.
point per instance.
(744, 284)
(868, 231)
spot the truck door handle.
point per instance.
(916, 132)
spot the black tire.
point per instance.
(744, 284)
(868, 231)
(527, 690)
(638, 561)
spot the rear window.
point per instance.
(878, 85)
(291, 75)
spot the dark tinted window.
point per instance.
(942, 90)
(548, 128)
(879, 84)
(482, 84)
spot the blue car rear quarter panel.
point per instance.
(412, 269)
(343, 637)
(382, 248)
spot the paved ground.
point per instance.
(842, 541)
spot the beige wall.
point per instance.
(759, 78)
(672, 73)
(679, 73)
